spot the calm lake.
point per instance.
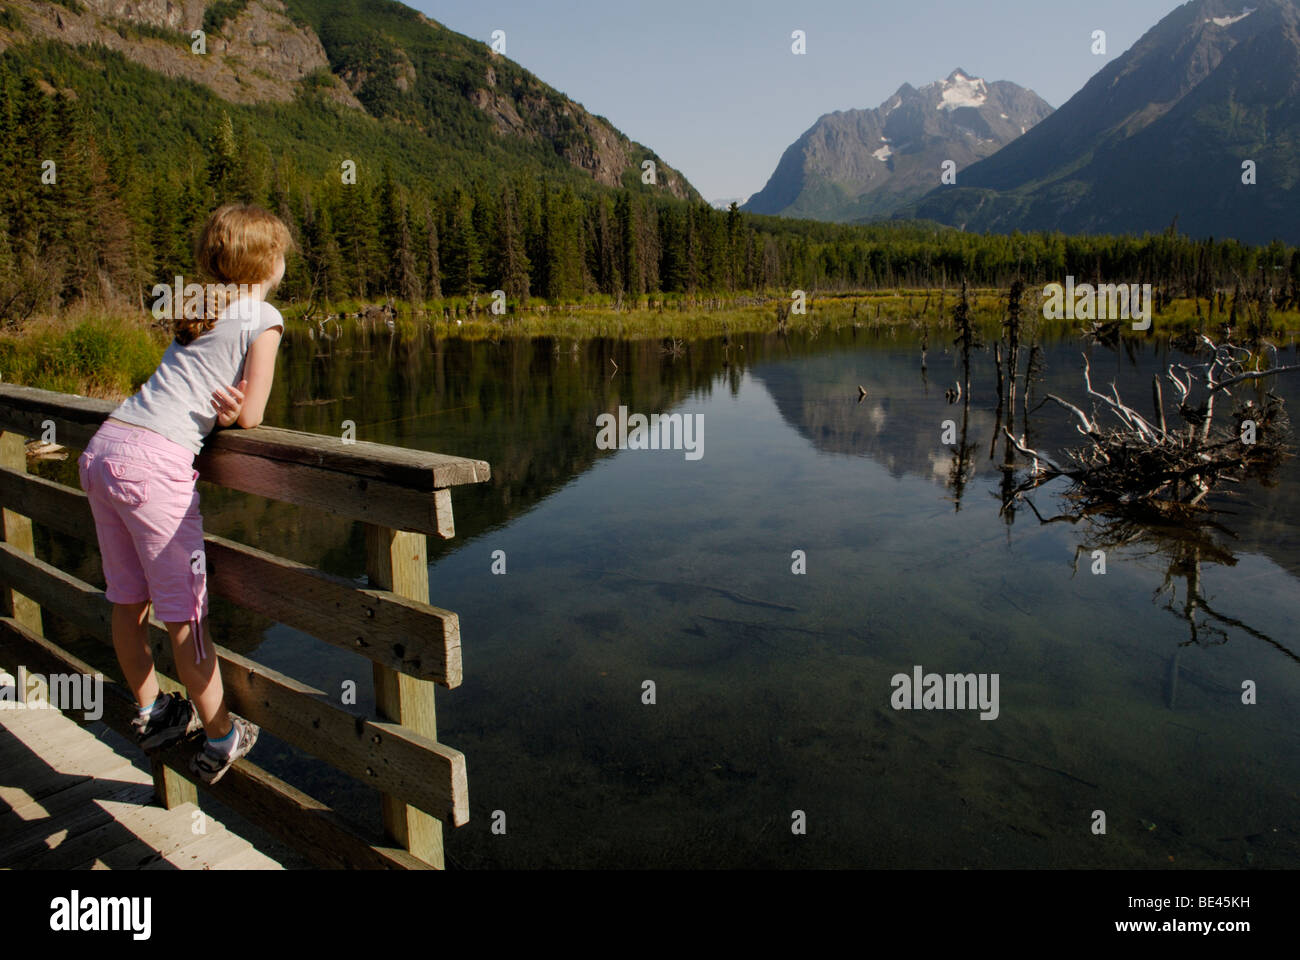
(773, 689)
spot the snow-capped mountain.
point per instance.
(1198, 120)
(866, 163)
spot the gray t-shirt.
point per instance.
(177, 400)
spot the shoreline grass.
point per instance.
(679, 317)
(681, 320)
(108, 352)
(86, 352)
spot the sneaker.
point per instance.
(178, 721)
(212, 766)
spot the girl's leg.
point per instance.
(202, 680)
(131, 643)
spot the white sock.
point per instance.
(155, 709)
(226, 746)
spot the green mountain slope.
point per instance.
(443, 102)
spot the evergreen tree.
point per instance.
(353, 217)
(514, 264)
(607, 249)
(462, 251)
(733, 249)
(326, 276)
(392, 224)
(223, 161)
(432, 255)
(628, 230)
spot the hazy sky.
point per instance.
(713, 87)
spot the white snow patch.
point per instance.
(1229, 21)
(894, 106)
(963, 91)
(884, 153)
(1004, 116)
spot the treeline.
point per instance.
(82, 220)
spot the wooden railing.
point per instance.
(401, 496)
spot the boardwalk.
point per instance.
(69, 800)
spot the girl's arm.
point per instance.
(259, 371)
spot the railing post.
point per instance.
(169, 787)
(397, 560)
(18, 532)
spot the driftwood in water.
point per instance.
(1138, 459)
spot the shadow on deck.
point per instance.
(70, 800)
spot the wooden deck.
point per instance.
(400, 498)
(69, 800)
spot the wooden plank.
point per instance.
(248, 859)
(88, 757)
(80, 787)
(55, 505)
(209, 850)
(384, 627)
(17, 530)
(28, 780)
(169, 787)
(298, 819)
(397, 561)
(348, 495)
(75, 600)
(305, 823)
(12, 796)
(24, 410)
(44, 776)
(162, 833)
(76, 419)
(393, 757)
(51, 832)
(91, 843)
(400, 466)
(398, 761)
(400, 633)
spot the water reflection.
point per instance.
(1182, 542)
(773, 687)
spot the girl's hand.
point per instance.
(228, 406)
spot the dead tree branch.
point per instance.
(1146, 460)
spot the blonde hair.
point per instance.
(239, 244)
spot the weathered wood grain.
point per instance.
(278, 807)
(25, 410)
(17, 530)
(382, 626)
(386, 755)
(397, 561)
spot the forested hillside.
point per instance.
(111, 166)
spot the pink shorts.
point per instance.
(146, 508)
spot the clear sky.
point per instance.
(713, 87)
